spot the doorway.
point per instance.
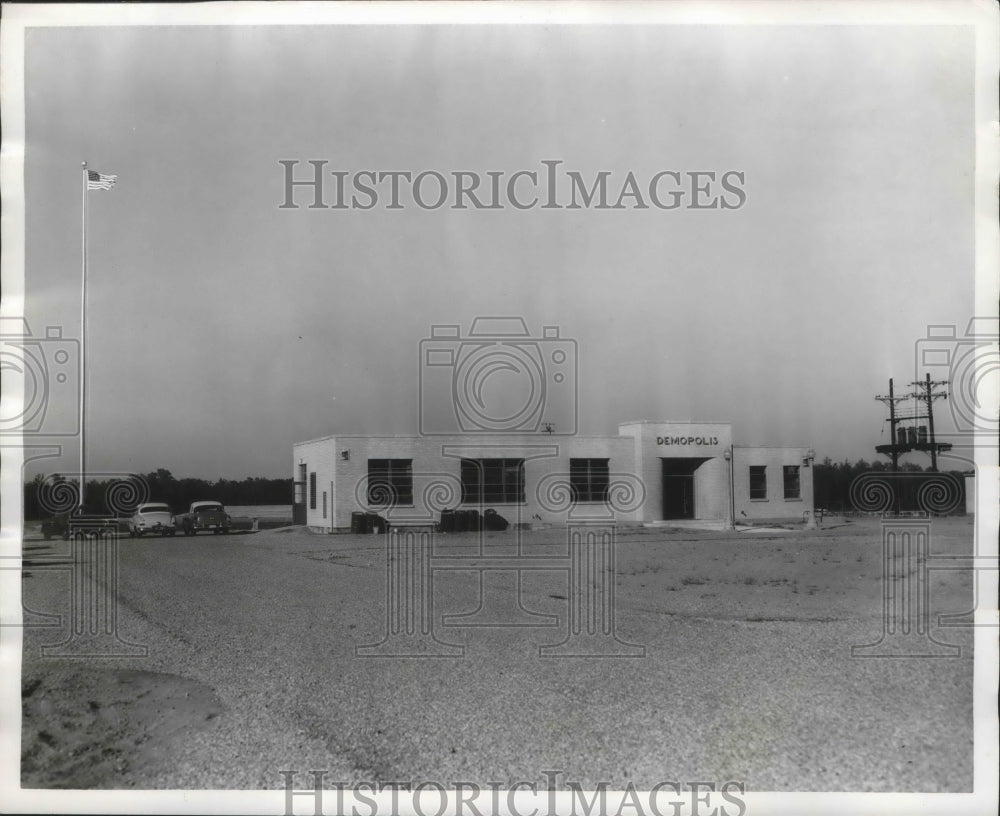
(678, 487)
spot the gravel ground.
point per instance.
(747, 674)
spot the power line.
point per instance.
(914, 437)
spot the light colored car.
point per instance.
(153, 517)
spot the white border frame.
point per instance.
(983, 15)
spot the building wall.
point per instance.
(655, 441)
(711, 489)
(637, 453)
(320, 457)
(775, 506)
(437, 460)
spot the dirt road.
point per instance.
(747, 674)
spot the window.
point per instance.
(390, 482)
(324, 504)
(758, 482)
(589, 479)
(493, 480)
(312, 491)
(792, 482)
(300, 486)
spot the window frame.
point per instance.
(789, 470)
(299, 485)
(755, 490)
(497, 481)
(397, 474)
(589, 479)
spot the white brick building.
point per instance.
(650, 471)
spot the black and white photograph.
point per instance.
(500, 408)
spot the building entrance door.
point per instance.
(678, 487)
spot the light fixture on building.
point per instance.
(345, 454)
(810, 455)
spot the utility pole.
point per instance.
(926, 393)
(83, 345)
(896, 447)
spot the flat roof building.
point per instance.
(649, 472)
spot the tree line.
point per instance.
(45, 496)
(832, 483)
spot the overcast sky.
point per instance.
(222, 329)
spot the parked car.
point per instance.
(56, 527)
(152, 517)
(203, 515)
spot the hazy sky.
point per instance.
(222, 329)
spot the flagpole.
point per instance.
(83, 345)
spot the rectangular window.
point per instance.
(390, 482)
(758, 482)
(324, 504)
(493, 480)
(300, 486)
(589, 479)
(312, 491)
(792, 482)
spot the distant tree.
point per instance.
(32, 489)
(163, 486)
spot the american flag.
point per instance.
(100, 181)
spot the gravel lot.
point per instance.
(747, 675)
